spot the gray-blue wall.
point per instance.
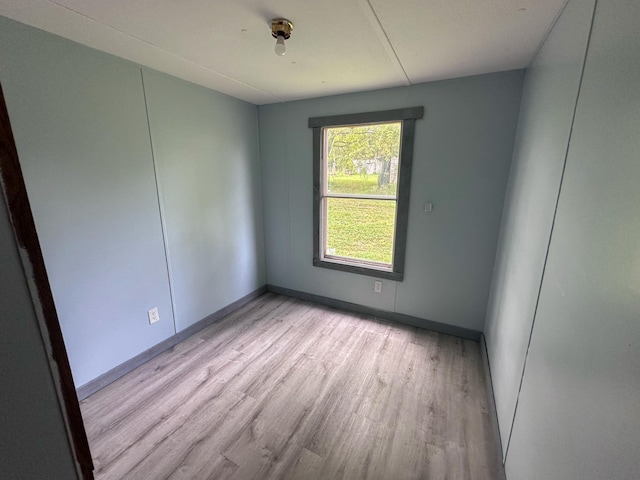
(80, 122)
(548, 103)
(206, 148)
(463, 149)
(87, 151)
(578, 414)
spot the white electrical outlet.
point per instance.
(377, 286)
(154, 315)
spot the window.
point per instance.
(361, 177)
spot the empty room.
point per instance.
(377, 239)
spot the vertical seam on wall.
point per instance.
(262, 196)
(286, 161)
(163, 226)
(553, 223)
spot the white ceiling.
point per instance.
(337, 46)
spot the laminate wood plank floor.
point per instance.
(284, 389)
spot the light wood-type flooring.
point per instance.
(286, 389)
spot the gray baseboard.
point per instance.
(493, 413)
(112, 375)
(374, 312)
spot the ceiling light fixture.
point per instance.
(281, 30)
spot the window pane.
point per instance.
(363, 159)
(361, 229)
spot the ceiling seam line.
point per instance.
(165, 51)
(548, 32)
(375, 21)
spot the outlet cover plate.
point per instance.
(154, 315)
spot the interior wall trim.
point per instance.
(114, 374)
(386, 315)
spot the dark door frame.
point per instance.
(25, 232)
